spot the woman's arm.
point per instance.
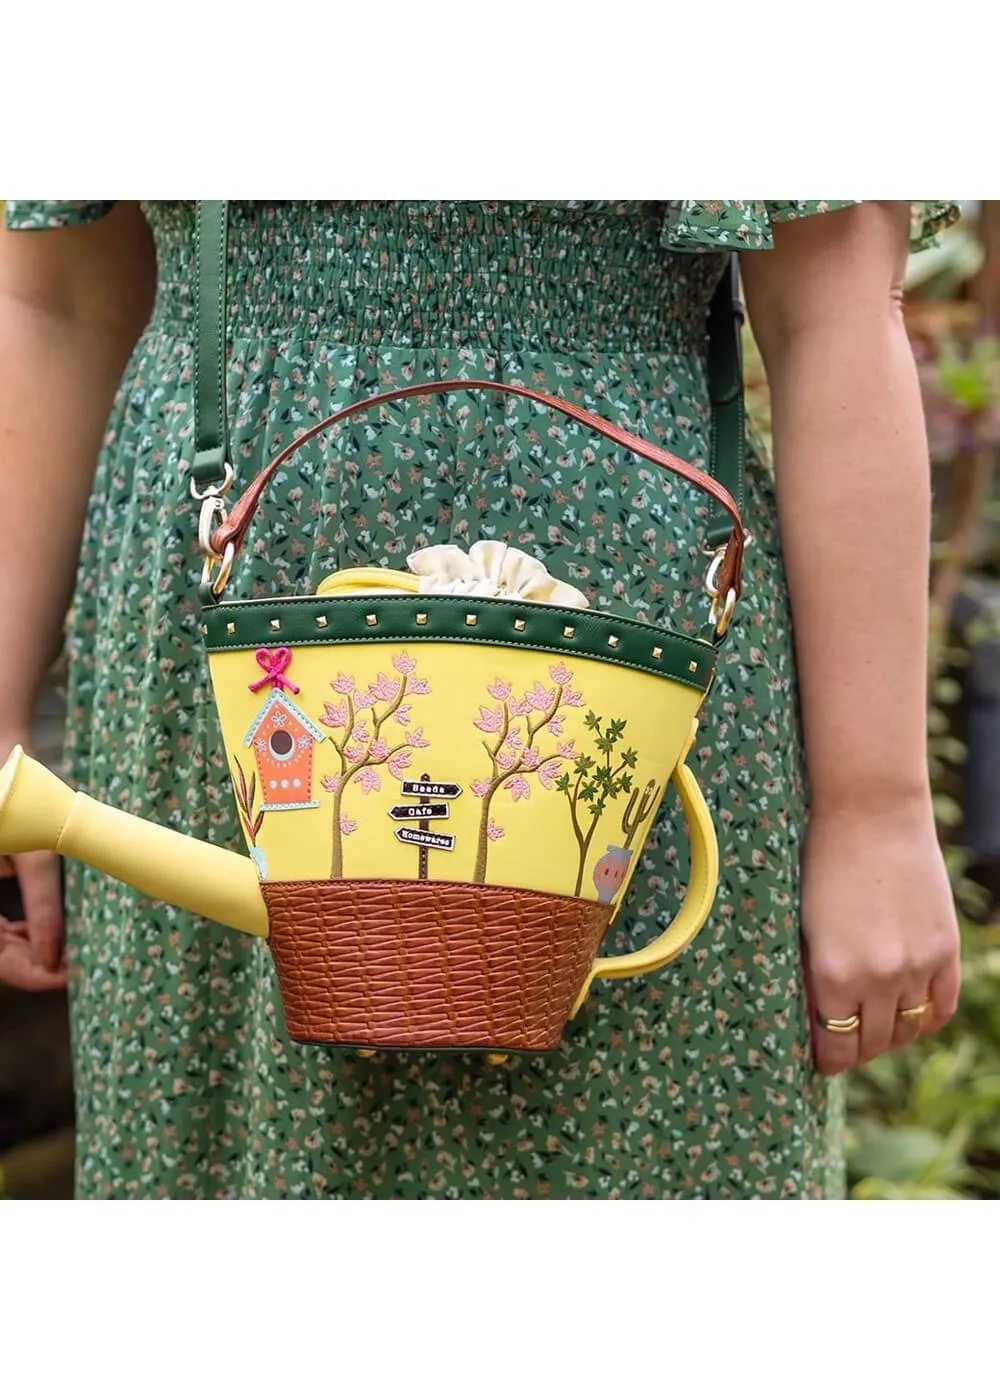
(853, 486)
(72, 303)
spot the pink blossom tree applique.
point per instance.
(363, 744)
(522, 741)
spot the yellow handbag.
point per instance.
(444, 783)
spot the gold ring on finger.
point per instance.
(845, 1025)
(914, 1015)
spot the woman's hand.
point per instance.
(32, 950)
(880, 930)
(24, 963)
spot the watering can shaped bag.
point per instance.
(444, 793)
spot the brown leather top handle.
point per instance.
(729, 576)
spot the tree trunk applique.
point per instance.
(517, 731)
(596, 783)
(362, 748)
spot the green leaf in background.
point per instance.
(946, 809)
(872, 1189)
(894, 1154)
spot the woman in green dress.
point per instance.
(713, 1078)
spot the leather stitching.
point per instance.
(220, 357)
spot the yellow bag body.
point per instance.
(519, 763)
(402, 741)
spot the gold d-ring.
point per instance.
(846, 1025)
(720, 613)
(225, 563)
(217, 488)
(721, 618)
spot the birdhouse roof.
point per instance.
(277, 700)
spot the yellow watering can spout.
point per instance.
(38, 812)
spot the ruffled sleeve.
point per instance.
(693, 225)
(54, 213)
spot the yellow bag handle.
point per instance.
(697, 905)
(369, 581)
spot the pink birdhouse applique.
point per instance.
(283, 739)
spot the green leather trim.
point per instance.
(211, 429)
(321, 620)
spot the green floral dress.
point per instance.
(695, 1082)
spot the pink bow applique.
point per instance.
(274, 663)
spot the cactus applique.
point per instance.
(638, 811)
(612, 868)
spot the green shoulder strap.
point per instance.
(725, 370)
(211, 418)
(727, 440)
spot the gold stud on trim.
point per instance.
(371, 619)
(692, 666)
(612, 641)
(569, 632)
(519, 624)
(321, 622)
(657, 653)
(471, 619)
(421, 619)
(275, 624)
(230, 628)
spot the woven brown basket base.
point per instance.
(430, 964)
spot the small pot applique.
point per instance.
(610, 871)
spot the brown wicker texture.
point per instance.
(435, 964)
